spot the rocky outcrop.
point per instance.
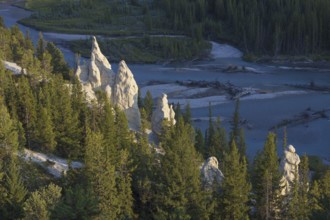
(289, 167)
(13, 67)
(164, 111)
(211, 173)
(125, 95)
(121, 89)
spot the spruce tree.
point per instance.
(26, 109)
(57, 61)
(15, 191)
(40, 50)
(148, 104)
(235, 186)
(305, 207)
(179, 194)
(77, 203)
(187, 114)
(200, 143)
(41, 203)
(100, 172)
(45, 130)
(266, 180)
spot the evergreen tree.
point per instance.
(148, 104)
(78, 203)
(45, 130)
(235, 130)
(187, 114)
(200, 143)
(217, 142)
(41, 203)
(144, 173)
(179, 194)
(40, 50)
(235, 186)
(26, 109)
(304, 207)
(267, 180)
(57, 61)
(324, 196)
(101, 174)
(15, 192)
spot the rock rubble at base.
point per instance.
(120, 88)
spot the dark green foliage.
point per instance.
(15, 192)
(266, 180)
(148, 104)
(200, 143)
(187, 114)
(235, 187)
(179, 194)
(77, 204)
(57, 60)
(42, 202)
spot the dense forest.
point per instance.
(123, 177)
(273, 27)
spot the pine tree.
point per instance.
(78, 203)
(57, 60)
(267, 180)
(235, 130)
(235, 186)
(217, 142)
(26, 109)
(15, 191)
(304, 208)
(101, 174)
(187, 114)
(324, 196)
(40, 50)
(41, 202)
(148, 104)
(179, 194)
(200, 143)
(143, 174)
(45, 130)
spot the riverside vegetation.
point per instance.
(123, 177)
(277, 27)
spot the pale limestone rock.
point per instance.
(94, 75)
(211, 173)
(289, 167)
(125, 95)
(107, 76)
(164, 111)
(89, 92)
(121, 89)
(13, 67)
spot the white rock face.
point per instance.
(164, 111)
(211, 173)
(289, 166)
(121, 89)
(125, 95)
(13, 67)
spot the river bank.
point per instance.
(279, 102)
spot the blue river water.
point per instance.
(310, 138)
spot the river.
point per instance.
(261, 112)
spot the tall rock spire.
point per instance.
(125, 95)
(164, 111)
